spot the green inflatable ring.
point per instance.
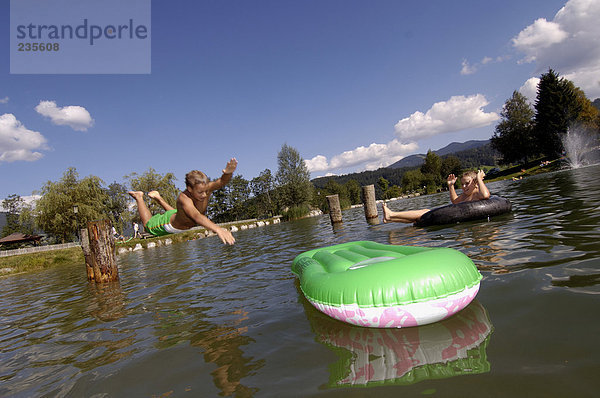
(371, 284)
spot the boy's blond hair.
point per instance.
(195, 177)
(470, 173)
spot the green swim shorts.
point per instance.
(156, 224)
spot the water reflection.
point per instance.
(371, 356)
(577, 281)
(223, 347)
(106, 301)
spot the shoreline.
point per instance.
(32, 262)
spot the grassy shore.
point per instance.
(38, 261)
(528, 170)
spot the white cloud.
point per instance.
(568, 44)
(467, 69)
(458, 113)
(17, 142)
(76, 117)
(538, 36)
(4, 100)
(529, 89)
(371, 157)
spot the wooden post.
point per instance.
(87, 253)
(335, 210)
(370, 204)
(102, 245)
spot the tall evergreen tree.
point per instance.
(513, 136)
(556, 109)
(431, 169)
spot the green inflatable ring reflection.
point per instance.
(370, 357)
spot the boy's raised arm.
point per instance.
(451, 181)
(483, 190)
(227, 174)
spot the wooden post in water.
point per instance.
(87, 253)
(370, 204)
(335, 210)
(102, 245)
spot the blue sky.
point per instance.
(353, 85)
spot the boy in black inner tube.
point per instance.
(473, 189)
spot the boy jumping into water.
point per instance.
(191, 206)
(473, 189)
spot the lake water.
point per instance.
(202, 319)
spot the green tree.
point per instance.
(432, 164)
(262, 188)
(431, 171)
(556, 109)
(383, 185)
(318, 198)
(150, 180)
(450, 165)
(393, 192)
(334, 188)
(589, 115)
(293, 178)
(117, 205)
(218, 206)
(54, 210)
(354, 190)
(26, 219)
(12, 205)
(513, 136)
(238, 193)
(412, 180)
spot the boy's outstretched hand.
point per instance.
(480, 175)
(225, 236)
(451, 180)
(231, 166)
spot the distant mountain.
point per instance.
(419, 159)
(471, 154)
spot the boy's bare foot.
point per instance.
(154, 194)
(386, 216)
(136, 194)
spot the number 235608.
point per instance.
(38, 46)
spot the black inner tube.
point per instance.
(465, 211)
